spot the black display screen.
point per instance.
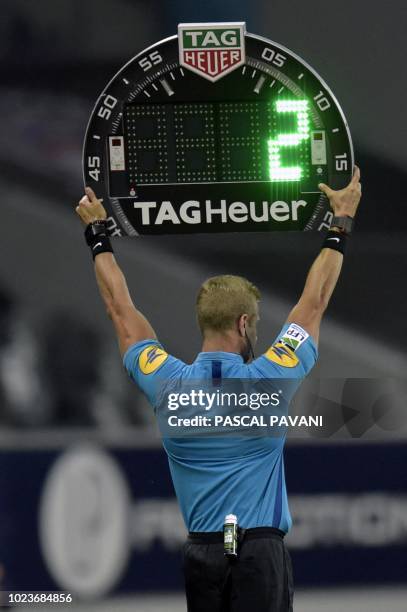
(217, 142)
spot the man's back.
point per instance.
(227, 473)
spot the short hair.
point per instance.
(223, 299)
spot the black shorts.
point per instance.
(259, 580)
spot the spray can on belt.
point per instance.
(230, 535)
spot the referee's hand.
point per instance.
(90, 208)
(345, 202)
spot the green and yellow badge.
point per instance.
(282, 355)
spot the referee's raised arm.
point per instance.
(325, 270)
(130, 324)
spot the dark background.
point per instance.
(60, 373)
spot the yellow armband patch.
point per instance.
(282, 355)
(151, 358)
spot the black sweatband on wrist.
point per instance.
(336, 241)
(101, 244)
(97, 238)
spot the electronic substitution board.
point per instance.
(216, 130)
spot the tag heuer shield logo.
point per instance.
(212, 50)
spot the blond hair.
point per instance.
(223, 299)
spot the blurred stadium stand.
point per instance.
(61, 380)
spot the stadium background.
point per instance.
(86, 503)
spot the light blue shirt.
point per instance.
(216, 476)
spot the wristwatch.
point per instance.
(96, 228)
(345, 224)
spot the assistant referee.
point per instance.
(214, 477)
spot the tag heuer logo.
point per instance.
(212, 50)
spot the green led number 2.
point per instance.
(278, 172)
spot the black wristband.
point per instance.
(97, 238)
(336, 241)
